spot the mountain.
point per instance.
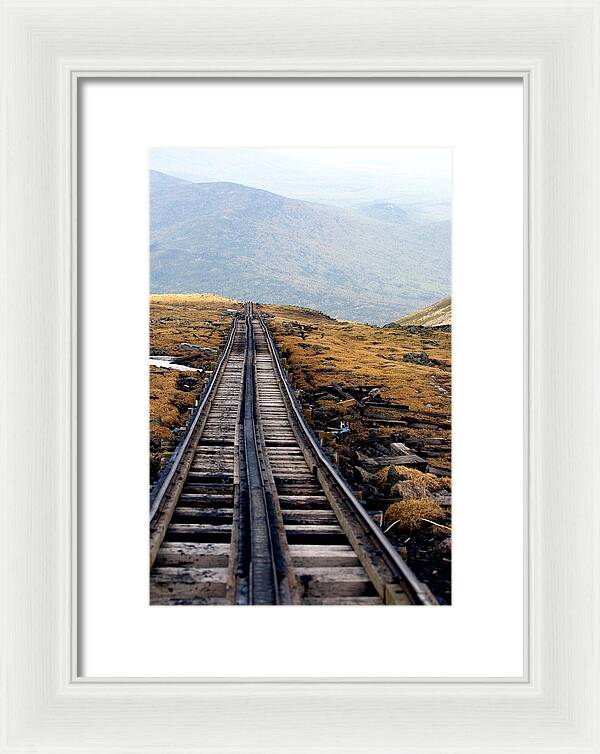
(249, 243)
(385, 211)
(435, 315)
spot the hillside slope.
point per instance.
(435, 315)
(247, 243)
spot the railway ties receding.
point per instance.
(253, 512)
(262, 573)
(193, 529)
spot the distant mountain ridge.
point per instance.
(385, 211)
(297, 176)
(248, 243)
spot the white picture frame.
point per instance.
(553, 46)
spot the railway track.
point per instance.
(253, 512)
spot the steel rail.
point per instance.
(266, 582)
(157, 498)
(416, 590)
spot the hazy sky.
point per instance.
(433, 164)
(342, 176)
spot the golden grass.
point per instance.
(368, 353)
(406, 482)
(408, 515)
(168, 405)
(198, 319)
(320, 350)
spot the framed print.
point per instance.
(300, 313)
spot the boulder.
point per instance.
(407, 490)
(444, 548)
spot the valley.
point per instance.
(375, 262)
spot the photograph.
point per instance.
(300, 376)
